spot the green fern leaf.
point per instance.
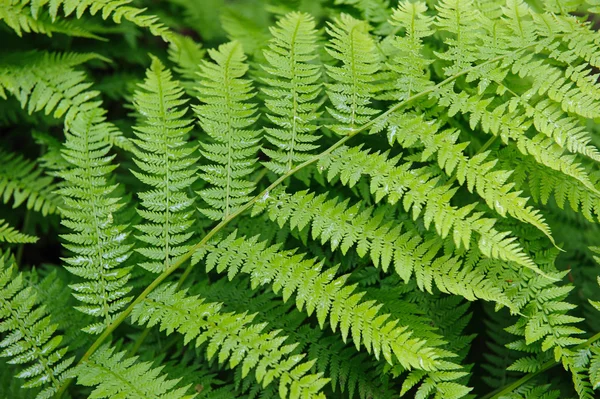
(10, 235)
(30, 338)
(18, 16)
(48, 82)
(187, 55)
(226, 116)
(460, 18)
(22, 182)
(116, 9)
(409, 64)
(323, 293)
(113, 375)
(166, 162)
(420, 192)
(232, 337)
(355, 79)
(292, 89)
(99, 245)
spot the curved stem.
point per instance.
(381, 117)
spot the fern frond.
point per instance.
(250, 33)
(226, 115)
(387, 243)
(99, 245)
(545, 323)
(10, 235)
(477, 173)
(462, 19)
(22, 182)
(187, 55)
(292, 89)
(28, 336)
(166, 163)
(409, 64)
(376, 12)
(115, 9)
(114, 375)
(323, 293)
(18, 16)
(420, 192)
(350, 371)
(511, 125)
(233, 337)
(48, 82)
(355, 79)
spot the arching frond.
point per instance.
(48, 82)
(19, 17)
(232, 337)
(23, 183)
(114, 375)
(226, 115)
(97, 241)
(28, 335)
(165, 160)
(293, 91)
(355, 78)
(10, 235)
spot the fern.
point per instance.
(226, 117)
(22, 182)
(417, 189)
(356, 78)
(323, 294)
(116, 9)
(293, 91)
(46, 81)
(375, 183)
(9, 234)
(165, 162)
(133, 379)
(31, 338)
(231, 336)
(98, 244)
(19, 17)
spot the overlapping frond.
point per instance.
(293, 90)
(166, 164)
(48, 81)
(409, 64)
(349, 370)
(187, 55)
(232, 337)
(18, 16)
(420, 193)
(321, 292)
(28, 335)
(22, 182)
(227, 115)
(463, 21)
(387, 242)
(113, 375)
(10, 235)
(356, 78)
(117, 10)
(97, 241)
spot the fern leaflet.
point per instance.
(226, 115)
(99, 245)
(292, 89)
(166, 163)
(31, 338)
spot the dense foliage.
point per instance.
(299, 198)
